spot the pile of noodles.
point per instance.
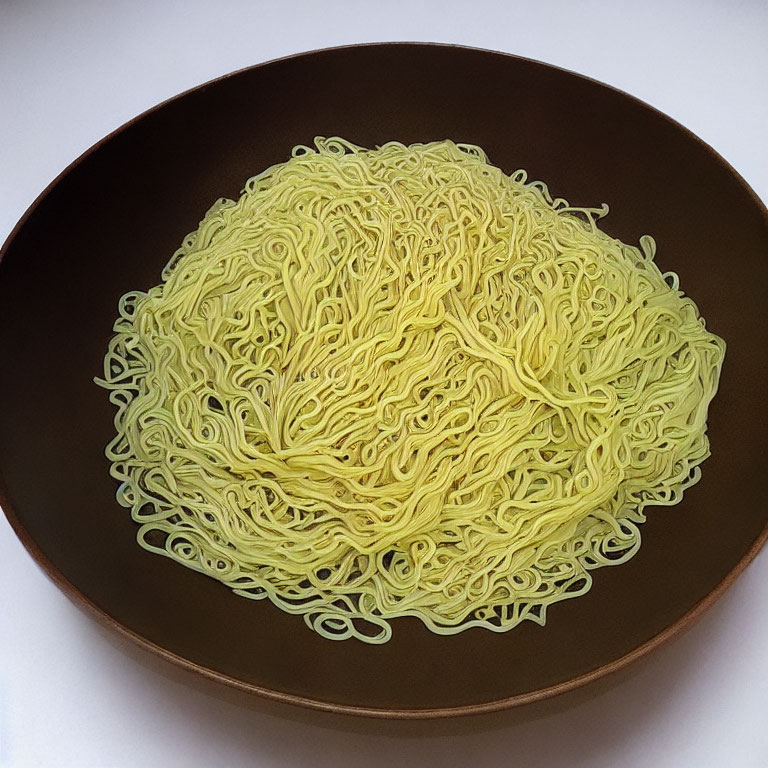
(398, 382)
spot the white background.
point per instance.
(71, 694)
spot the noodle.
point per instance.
(398, 382)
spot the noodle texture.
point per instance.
(399, 382)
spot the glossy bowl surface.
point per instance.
(110, 222)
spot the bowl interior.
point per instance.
(111, 222)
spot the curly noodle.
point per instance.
(398, 382)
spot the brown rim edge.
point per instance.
(71, 591)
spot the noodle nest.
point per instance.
(398, 382)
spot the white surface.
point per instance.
(70, 694)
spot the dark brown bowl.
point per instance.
(111, 220)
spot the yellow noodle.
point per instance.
(398, 382)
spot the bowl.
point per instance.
(112, 219)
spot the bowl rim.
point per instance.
(105, 619)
